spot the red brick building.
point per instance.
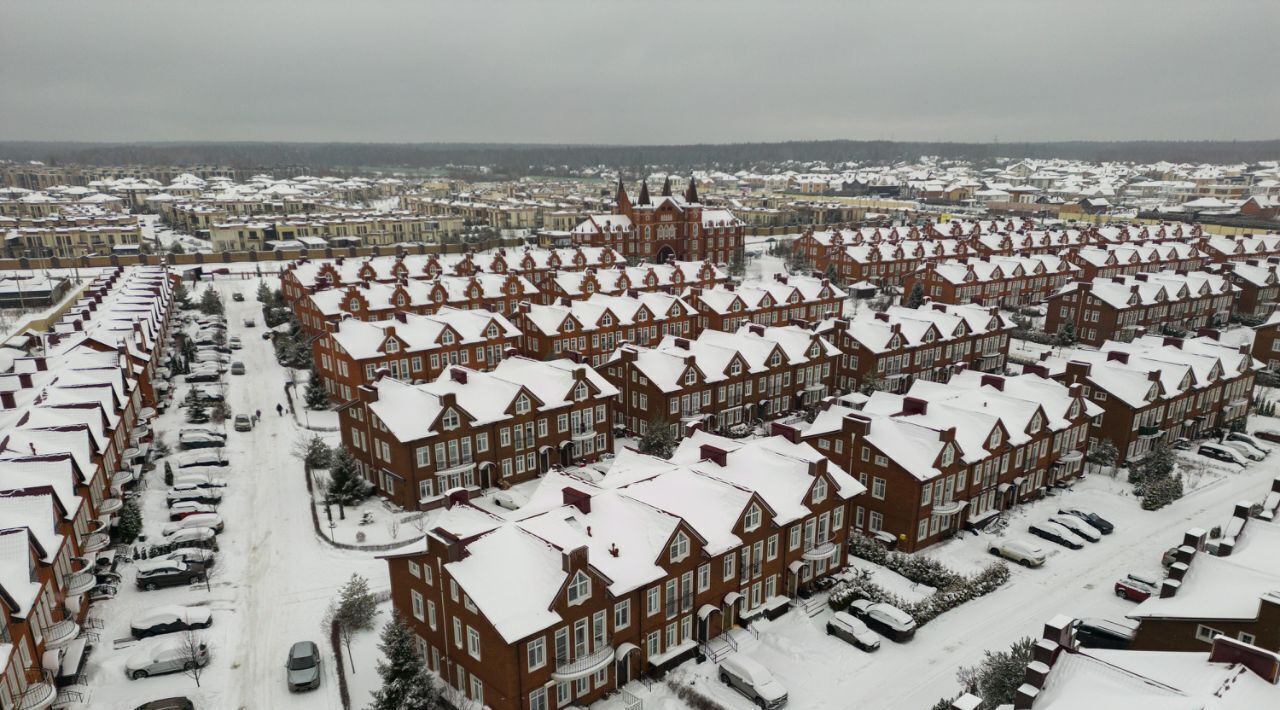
(665, 227)
(1266, 342)
(992, 280)
(1110, 261)
(785, 299)
(1257, 284)
(671, 277)
(597, 584)
(1122, 307)
(872, 255)
(592, 329)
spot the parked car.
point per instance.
(194, 494)
(163, 657)
(509, 500)
(202, 458)
(194, 537)
(193, 555)
(885, 619)
(154, 574)
(1077, 526)
(213, 521)
(205, 357)
(1244, 449)
(1136, 587)
(248, 323)
(205, 375)
(200, 440)
(1222, 453)
(102, 592)
(1056, 534)
(302, 670)
(1097, 521)
(237, 368)
(1181, 444)
(1267, 435)
(1101, 633)
(243, 422)
(185, 508)
(199, 480)
(849, 629)
(168, 619)
(1169, 557)
(1027, 553)
(168, 704)
(1251, 441)
(237, 296)
(753, 680)
(234, 342)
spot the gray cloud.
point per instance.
(638, 72)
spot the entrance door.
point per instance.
(622, 671)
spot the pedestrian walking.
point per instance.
(280, 409)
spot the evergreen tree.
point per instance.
(210, 302)
(916, 298)
(406, 685)
(264, 293)
(346, 486)
(1158, 462)
(130, 525)
(317, 397)
(1103, 453)
(181, 296)
(196, 412)
(997, 677)
(1160, 492)
(1066, 336)
(176, 248)
(658, 439)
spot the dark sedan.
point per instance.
(1097, 521)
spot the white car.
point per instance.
(162, 657)
(844, 626)
(886, 619)
(199, 480)
(196, 439)
(208, 457)
(1245, 449)
(1025, 552)
(189, 555)
(183, 508)
(508, 500)
(753, 680)
(213, 521)
(1077, 526)
(1250, 440)
(194, 537)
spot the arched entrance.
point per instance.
(566, 454)
(664, 254)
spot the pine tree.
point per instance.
(1160, 492)
(196, 412)
(264, 293)
(1066, 336)
(210, 303)
(181, 296)
(406, 685)
(916, 298)
(1158, 462)
(316, 396)
(346, 486)
(130, 525)
(997, 677)
(1103, 453)
(658, 440)
(357, 603)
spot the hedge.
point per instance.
(946, 598)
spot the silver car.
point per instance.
(169, 656)
(303, 667)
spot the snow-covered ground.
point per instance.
(274, 576)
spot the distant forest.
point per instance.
(518, 158)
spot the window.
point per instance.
(1206, 633)
(820, 491)
(622, 615)
(837, 518)
(679, 547)
(477, 690)
(751, 520)
(728, 566)
(457, 632)
(579, 589)
(794, 542)
(473, 643)
(522, 405)
(653, 600)
(772, 553)
(419, 612)
(538, 699)
(482, 443)
(923, 532)
(449, 420)
(431, 614)
(877, 488)
(415, 569)
(704, 577)
(654, 643)
(926, 492)
(1246, 638)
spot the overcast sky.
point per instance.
(617, 71)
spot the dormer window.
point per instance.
(1075, 410)
(751, 520)
(690, 377)
(446, 338)
(813, 352)
(642, 316)
(606, 320)
(492, 332)
(393, 346)
(994, 441)
(1035, 423)
(579, 589)
(399, 299)
(450, 420)
(568, 326)
(820, 491)
(775, 360)
(580, 392)
(948, 455)
(522, 405)
(736, 368)
(353, 305)
(679, 547)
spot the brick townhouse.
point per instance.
(1222, 249)
(471, 429)
(891, 349)
(1266, 342)
(1158, 388)
(721, 379)
(665, 226)
(72, 420)
(1029, 242)
(410, 347)
(992, 280)
(593, 584)
(942, 458)
(1126, 260)
(671, 277)
(783, 300)
(850, 255)
(593, 328)
(1258, 284)
(1124, 306)
(1146, 233)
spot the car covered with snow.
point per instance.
(850, 629)
(1136, 586)
(1245, 449)
(747, 676)
(213, 521)
(1056, 534)
(509, 500)
(165, 656)
(192, 555)
(1251, 441)
(1222, 453)
(193, 494)
(1267, 435)
(168, 619)
(155, 574)
(194, 537)
(182, 509)
(199, 480)
(200, 439)
(885, 619)
(211, 457)
(205, 375)
(1027, 553)
(1097, 521)
(1102, 633)
(1077, 526)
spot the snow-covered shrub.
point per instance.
(919, 569)
(959, 591)
(1160, 492)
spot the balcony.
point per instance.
(60, 634)
(583, 435)
(821, 552)
(123, 477)
(582, 666)
(458, 469)
(78, 583)
(95, 542)
(1147, 432)
(110, 505)
(38, 697)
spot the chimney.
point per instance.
(458, 375)
(786, 431)
(1036, 369)
(1169, 588)
(1153, 375)
(402, 316)
(456, 496)
(24, 380)
(573, 356)
(682, 343)
(1118, 356)
(576, 498)
(756, 329)
(995, 381)
(1210, 333)
(1025, 697)
(882, 316)
(1230, 651)
(856, 424)
(8, 401)
(817, 467)
(914, 405)
(966, 701)
(715, 454)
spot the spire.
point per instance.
(644, 192)
(624, 202)
(666, 187)
(691, 192)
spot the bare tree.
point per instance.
(194, 654)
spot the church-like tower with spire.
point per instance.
(666, 227)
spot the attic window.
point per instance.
(642, 316)
(813, 352)
(568, 326)
(580, 392)
(775, 360)
(399, 299)
(1035, 423)
(679, 547)
(522, 405)
(393, 346)
(994, 441)
(751, 520)
(1075, 410)
(450, 420)
(579, 589)
(948, 455)
(735, 368)
(607, 320)
(446, 337)
(820, 491)
(690, 377)
(353, 304)
(492, 332)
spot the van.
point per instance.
(1101, 633)
(753, 680)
